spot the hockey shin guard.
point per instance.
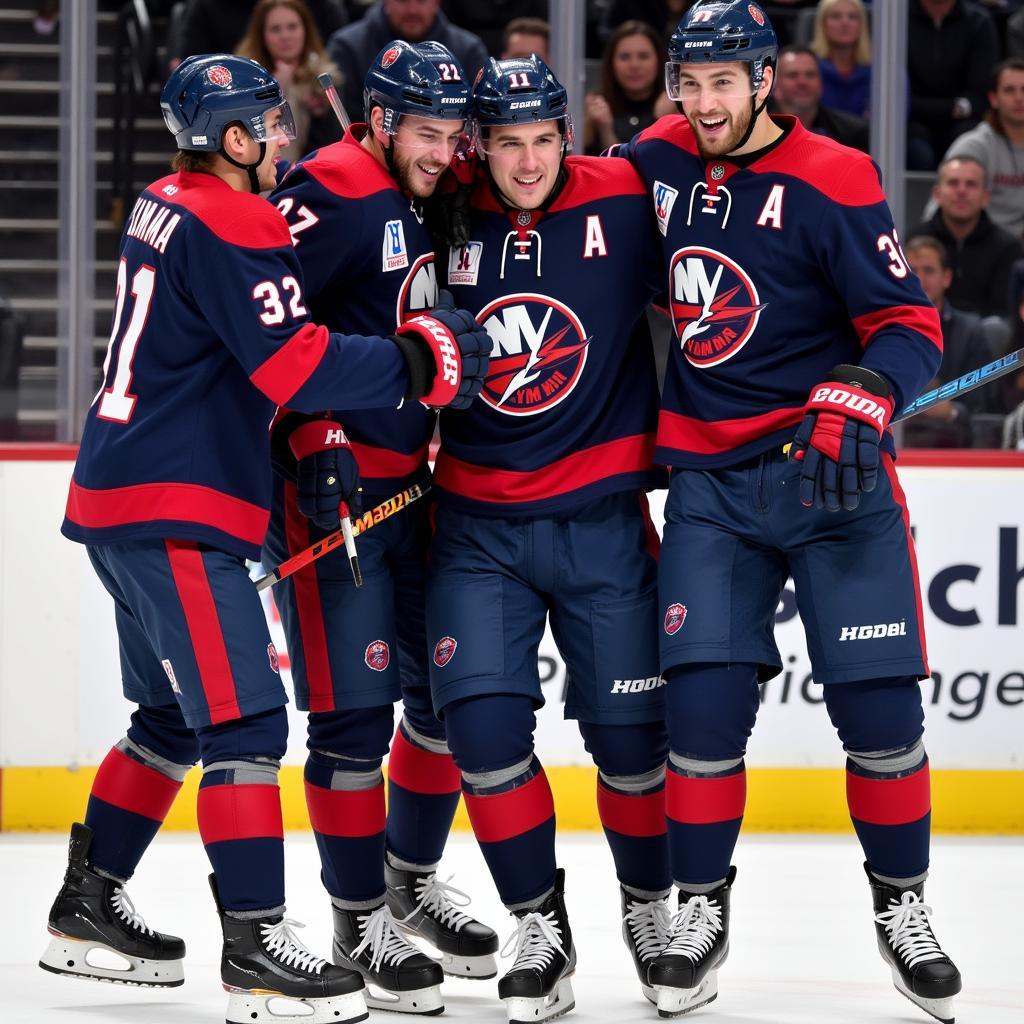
(423, 794)
(240, 810)
(135, 787)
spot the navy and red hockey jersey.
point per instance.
(569, 407)
(368, 264)
(777, 272)
(210, 334)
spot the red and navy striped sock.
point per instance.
(424, 787)
(632, 811)
(241, 827)
(345, 798)
(704, 801)
(889, 796)
(513, 818)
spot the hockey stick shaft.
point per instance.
(327, 84)
(962, 385)
(368, 520)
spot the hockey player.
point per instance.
(368, 264)
(795, 312)
(542, 513)
(170, 495)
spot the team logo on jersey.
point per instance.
(169, 669)
(755, 13)
(419, 289)
(275, 661)
(219, 75)
(394, 255)
(444, 651)
(390, 57)
(464, 263)
(674, 618)
(715, 306)
(378, 656)
(664, 199)
(717, 172)
(538, 355)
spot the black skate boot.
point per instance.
(538, 985)
(686, 973)
(646, 923)
(426, 907)
(398, 976)
(920, 970)
(93, 913)
(264, 967)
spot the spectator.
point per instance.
(965, 346)
(998, 145)
(981, 253)
(354, 47)
(631, 82)
(524, 36)
(283, 38)
(842, 43)
(798, 89)
(217, 26)
(951, 48)
(489, 19)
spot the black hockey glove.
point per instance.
(844, 420)
(448, 354)
(327, 474)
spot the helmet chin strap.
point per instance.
(250, 169)
(755, 113)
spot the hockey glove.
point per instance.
(837, 442)
(447, 352)
(327, 474)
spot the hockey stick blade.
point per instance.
(367, 521)
(968, 382)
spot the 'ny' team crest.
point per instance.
(377, 656)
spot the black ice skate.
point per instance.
(271, 977)
(426, 907)
(920, 970)
(93, 915)
(686, 973)
(538, 985)
(398, 976)
(646, 924)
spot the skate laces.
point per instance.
(125, 909)
(536, 939)
(283, 944)
(909, 931)
(650, 924)
(379, 936)
(442, 901)
(694, 927)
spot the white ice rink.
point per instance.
(803, 948)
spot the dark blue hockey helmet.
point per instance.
(718, 32)
(425, 79)
(521, 90)
(210, 91)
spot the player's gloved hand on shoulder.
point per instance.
(327, 474)
(448, 354)
(837, 442)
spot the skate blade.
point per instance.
(674, 1002)
(479, 968)
(76, 958)
(940, 1009)
(530, 1011)
(273, 1008)
(424, 1001)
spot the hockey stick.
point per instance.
(367, 521)
(327, 84)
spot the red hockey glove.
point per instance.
(448, 354)
(327, 474)
(837, 442)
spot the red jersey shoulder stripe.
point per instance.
(673, 128)
(922, 319)
(283, 373)
(592, 178)
(348, 170)
(684, 433)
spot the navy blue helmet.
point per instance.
(425, 79)
(521, 90)
(720, 31)
(206, 93)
